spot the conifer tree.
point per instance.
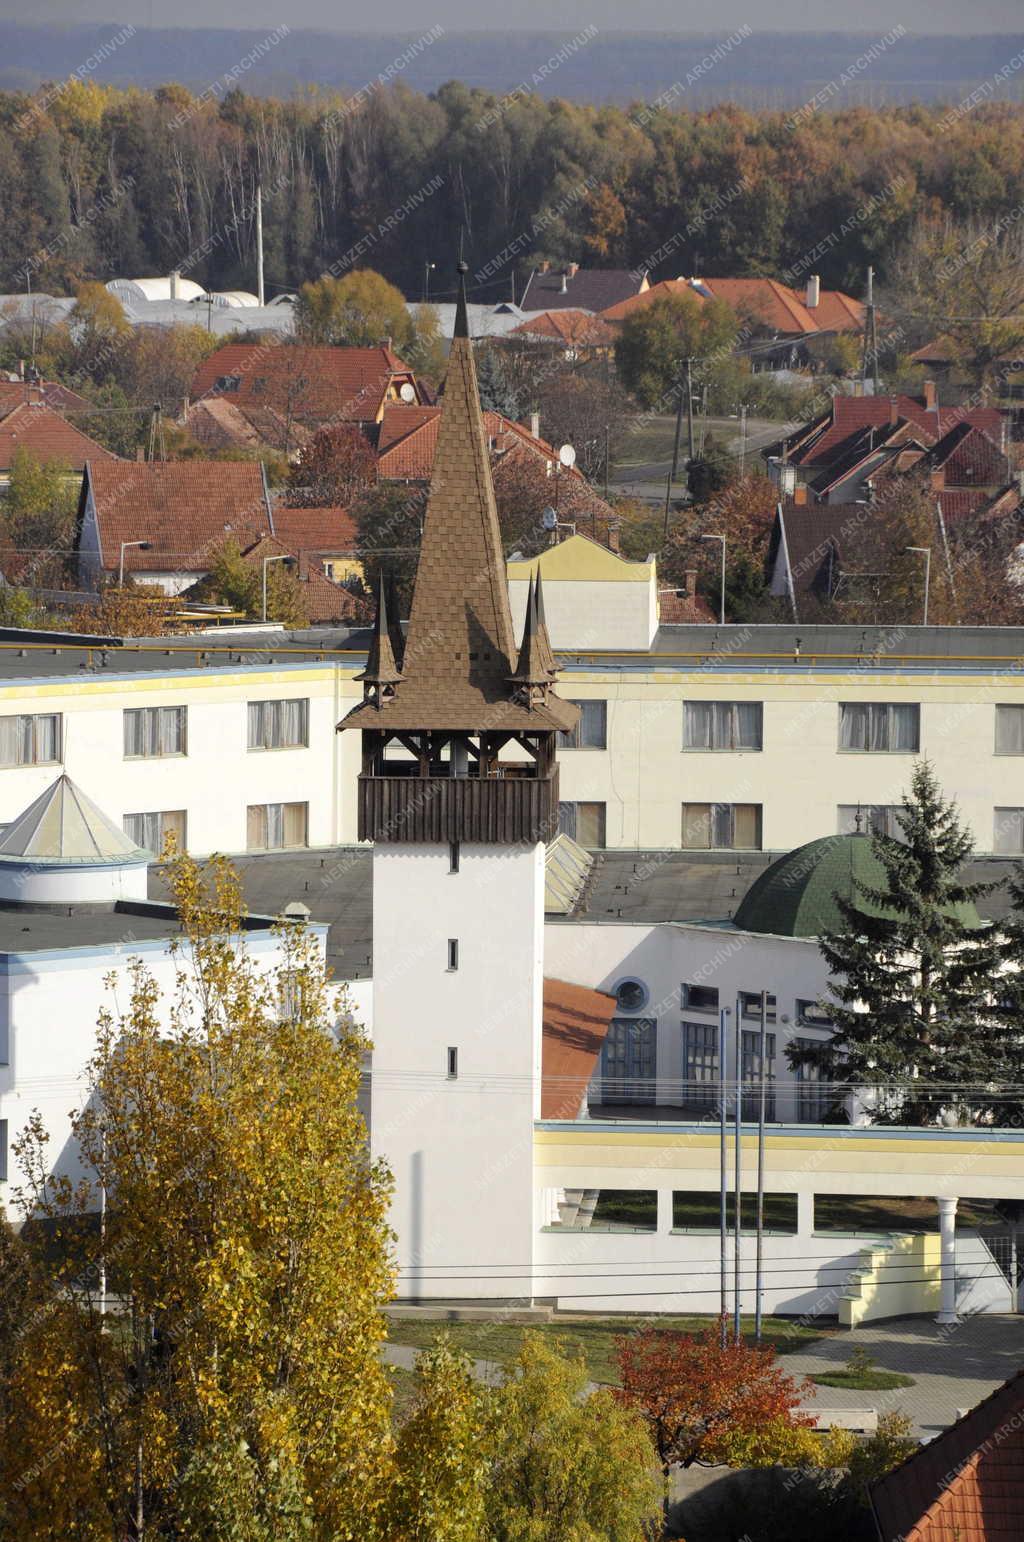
(913, 973)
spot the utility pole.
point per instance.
(259, 244)
(761, 1100)
(737, 1218)
(689, 404)
(723, 1182)
(743, 438)
(869, 359)
(607, 452)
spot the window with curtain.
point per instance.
(812, 1097)
(880, 727)
(1010, 730)
(152, 731)
(722, 725)
(591, 732)
(279, 725)
(151, 830)
(1008, 833)
(873, 816)
(750, 1005)
(582, 822)
(750, 1073)
(721, 826)
(274, 826)
(700, 1064)
(30, 739)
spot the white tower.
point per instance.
(459, 793)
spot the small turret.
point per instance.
(381, 674)
(535, 670)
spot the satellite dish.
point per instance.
(567, 455)
(549, 519)
(407, 392)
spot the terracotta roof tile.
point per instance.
(48, 436)
(659, 291)
(60, 397)
(325, 601)
(220, 424)
(575, 1024)
(408, 439)
(575, 328)
(312, 383)
(966, 1485)
(184, 509)
(324, 531)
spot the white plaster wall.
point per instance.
(43, 884)
(592, 614)
(599, 955)
(460, 1150)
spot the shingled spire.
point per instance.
(381, 673)
(535, 670)
(542, 630)
(457, 668)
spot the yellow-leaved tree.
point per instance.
(234, 1390)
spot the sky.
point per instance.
(867, 16)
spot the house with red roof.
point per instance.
(579, 334)
(162, 521)
(407, 438)
(308, 385)
(219, 424)
(17, 392)
(326, 536)
(34, 428)
(326, 602)
(966, 1485)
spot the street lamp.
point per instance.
(926, 551)
(721, 604)
(284, 557)
(428, 268)
(142, 545)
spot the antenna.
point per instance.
(259, 243)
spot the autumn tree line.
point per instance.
(97, 181)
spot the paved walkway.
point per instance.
(953, 1367)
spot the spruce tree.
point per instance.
(912, 973)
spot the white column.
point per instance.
(947, 1264)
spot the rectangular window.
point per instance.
(278, 725)
(453, 1062)
(582, 822)
(700, 998)
(591, 732)
(880, 727)
(453, 953)
(274, 826)
(722, 725)
(31, 739)
(700, 1064)
(151, 830)
(626, 1210)
(812, 1014)
(750, 1073)
(721, 826)
(750, 1005)
(627, 1060)
(1008, 832)
(699, 1210)
(1010, 730)
(882, 817)
(3, 1150)
(813, 1101)
(453, 856)
(152, 731)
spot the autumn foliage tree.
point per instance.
(332, 468)
(696, 1394)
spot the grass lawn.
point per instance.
(863, 1381)
(403, 1384)
(500, 1341)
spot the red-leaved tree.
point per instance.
(332, 468)
(694, 1393)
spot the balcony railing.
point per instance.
(501, 809)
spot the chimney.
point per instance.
(893, 412)
(938, 478)
(800, 494)
(543, 266)
(574, 268)
(931, 400)
(21, 369)
(175, 275)
(813, 291)
(565, 283)
(690, 582)
(614, 536)
(535, 424)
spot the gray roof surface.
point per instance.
(28, 929)
(787, 649)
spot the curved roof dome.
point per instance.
(796, 896)
(65, 828)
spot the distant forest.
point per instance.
(98, 182)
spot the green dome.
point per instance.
(796, 896)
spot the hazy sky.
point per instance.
(871, 16)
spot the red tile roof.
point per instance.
(683, 609)
(659, 291)
(851, 414)
(316, 384)
(184, 509)
(966, 1485)
(764, 300)
(220, 424)
(967, 457)
(324, 531)
(576, 328)
(325, 601)
(48, 436)
(575, 1024)
(61, 398)
(408, 436)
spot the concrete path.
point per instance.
(953, 1367)
(406, 1355)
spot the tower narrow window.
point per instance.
(453, 1062)
(453, 953)
(453, 856)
